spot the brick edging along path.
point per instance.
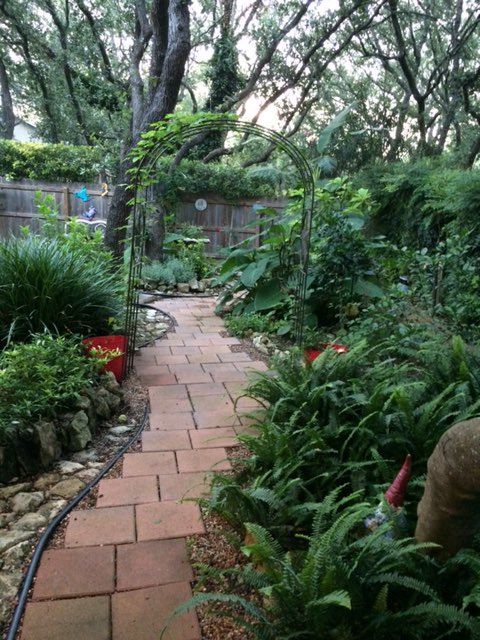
(124, 567)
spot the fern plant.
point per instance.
(344, 585)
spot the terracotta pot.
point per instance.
(110, 343)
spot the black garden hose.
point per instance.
(37, 554)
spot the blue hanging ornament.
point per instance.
(82, 194)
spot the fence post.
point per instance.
(66, 203)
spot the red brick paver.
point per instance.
(122, 491)
(75, 572)
(148, 463)
(162, 520)
(151, 563)
(166, 440)
(124, 567)
(142, 614)
(76, 619)
(184, 486)
(207, 459)
(100, 526)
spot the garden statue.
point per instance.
(391, 508)
(449, 511)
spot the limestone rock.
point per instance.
(52, 508)
(120, 431)
(83, 403)
(8, 462)
(9, 584)
(101, 406)
(112, 400)
(87, 475)
(67, 467)
(79, 434)
(111, 438)
(46, 480)
(9, 539)
(202, 286)
(49, 446)
(183, 287)
(67, 488)
(14, 557)
(30, 522)
(13, 489)
(95, 465)
(110, 384)
(193, 284)
(85, 457)
(6, 518)
(24, 502)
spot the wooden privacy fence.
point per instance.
(18, 208)
(223, 223)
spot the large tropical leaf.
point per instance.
(253, 273)
(268, 295)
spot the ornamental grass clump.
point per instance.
(48, 285)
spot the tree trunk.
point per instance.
(162, 102)
(473, 152)
(7, 121)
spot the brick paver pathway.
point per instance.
(124, 567)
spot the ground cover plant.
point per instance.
(184, 258)
(47, 285)
(43, 377)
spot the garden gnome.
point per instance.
(394, 496)
(449, 511)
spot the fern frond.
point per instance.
(406, 582)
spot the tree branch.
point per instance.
(107, 66)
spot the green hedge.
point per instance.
(230, 181)
(64, 163)
(49, 162)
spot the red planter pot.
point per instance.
(110, 343)
(312, 354)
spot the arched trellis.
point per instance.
(145, 172)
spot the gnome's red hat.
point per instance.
(395, 494)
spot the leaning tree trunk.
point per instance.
(161, 102)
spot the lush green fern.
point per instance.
(345, 584)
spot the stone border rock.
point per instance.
(26, 451)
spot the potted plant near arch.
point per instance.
(113, 349)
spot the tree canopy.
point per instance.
(101, 73)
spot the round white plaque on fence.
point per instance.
(201, 204)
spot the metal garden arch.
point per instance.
(172, 142)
